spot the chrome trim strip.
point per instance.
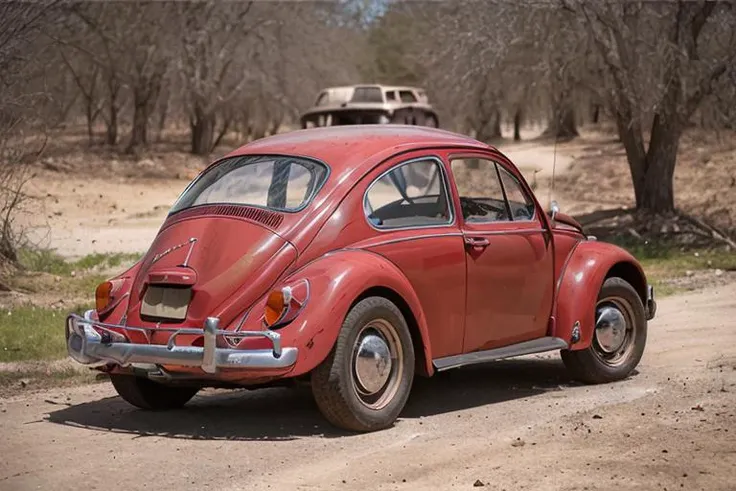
(450, 205)
(407, 239)
(522, 231)
(526, 348)
(94, 343)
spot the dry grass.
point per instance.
(32, 342)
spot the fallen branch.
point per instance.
(714, 232)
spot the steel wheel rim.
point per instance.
(376, 364)
(613, 343)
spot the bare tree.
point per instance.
(19, 23)
(661, 61)
(214, 52)
(150, 58)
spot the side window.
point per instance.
(390, 95)
(481, 194)
(322, 99)
(521, 205)
(412, 194)
(407, 96)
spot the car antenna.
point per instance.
(554, 165)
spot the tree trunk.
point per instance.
(596, 113)
(203, 132)
(657, 193)
(517, 125)
(563, 124)
(630, 134)
(90, 123)
(488, 128)
(652, 172)
(162, 119)
(139, 132)
(276, 124)
(497, 125)
(112, 125)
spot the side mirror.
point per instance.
(554, 209)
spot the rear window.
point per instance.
(407, 96)
(367, 94)
(277, 183)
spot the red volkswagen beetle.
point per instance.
(356, 258)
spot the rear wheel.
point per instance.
(619, 336)
(365, 381)
(147, 394)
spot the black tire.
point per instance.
(336, 385)
(147, 394)
(594, 365)
(431, 121)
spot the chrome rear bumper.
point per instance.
(94, 343)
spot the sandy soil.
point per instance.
(518, 424)
(79, 216)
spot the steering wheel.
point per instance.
(471, 206)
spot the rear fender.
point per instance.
(581, 279)
(124, 280)
(336, 281)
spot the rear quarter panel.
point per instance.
(336, 282)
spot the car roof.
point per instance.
(374, 86)
(356, 147)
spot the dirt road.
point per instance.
(519, 424)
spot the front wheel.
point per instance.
(619, 336)
(147, 394)
(364, 382)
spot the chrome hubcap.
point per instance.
(377, 364)
(615, 331)
(372, 364)
(610, 329)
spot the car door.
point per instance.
(508, 250)
(407, 203)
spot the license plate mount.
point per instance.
(166, 302)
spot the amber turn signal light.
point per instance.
(277, 305)
(102, 296)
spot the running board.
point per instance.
(526, 348)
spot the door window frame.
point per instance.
(537, 219)
(452, 222)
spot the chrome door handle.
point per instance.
(477, 241)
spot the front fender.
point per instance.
(336, 280)
(581, 279)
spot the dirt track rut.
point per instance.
(518, 424)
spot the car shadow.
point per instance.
(276, 414)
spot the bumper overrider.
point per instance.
(651, 303)
(95, 343)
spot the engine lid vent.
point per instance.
(270, 219)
